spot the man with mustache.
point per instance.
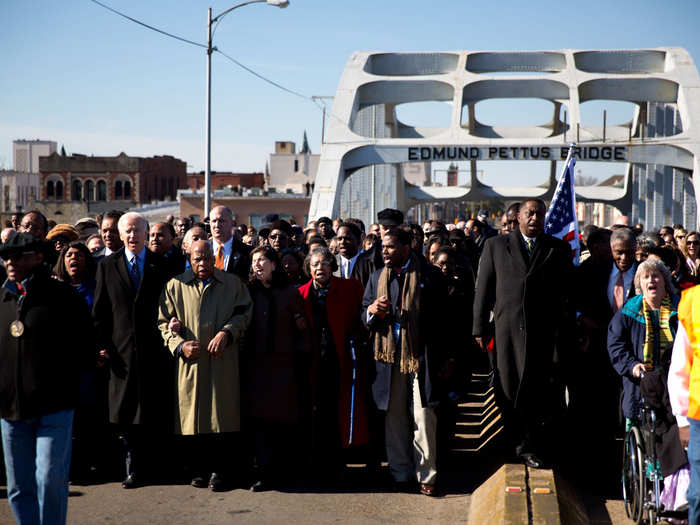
(213, 310)
(523, 279)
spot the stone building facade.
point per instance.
(78, 186)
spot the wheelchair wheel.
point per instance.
(633, 476)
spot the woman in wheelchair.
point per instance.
(640, 339)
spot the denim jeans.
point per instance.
(37, 461)
(693, 493)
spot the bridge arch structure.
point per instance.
(660, 146)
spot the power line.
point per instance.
(258, 75)
(148, 26)
(313, 100)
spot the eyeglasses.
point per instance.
(694, 243)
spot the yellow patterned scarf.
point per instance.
(659, 336)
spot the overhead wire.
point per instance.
(148, 26)
(329, 114)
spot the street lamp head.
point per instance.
(278, 3)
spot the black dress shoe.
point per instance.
(532, 461)
(216, 482)
(258, 486)
(130, 482)
(199, 482)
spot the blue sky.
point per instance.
(98, 84)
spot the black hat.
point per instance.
(324, 219)
(390, 217)
(282, 225)
(270, 218)
(19, 244)
(457, 235)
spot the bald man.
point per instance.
(230, 254)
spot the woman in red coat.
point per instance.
(340, 387)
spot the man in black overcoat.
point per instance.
(526, 288)
(125, 311)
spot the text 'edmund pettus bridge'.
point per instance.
(437, 153)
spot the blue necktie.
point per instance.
(135, 272)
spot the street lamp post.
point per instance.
(210, 50)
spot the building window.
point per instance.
(118, 190)
(296, 165)
(59, 190)
(77, 190)
(50, 191)
(90, 191)
(101, 190)
(127, 190)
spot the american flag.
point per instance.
(561, 220)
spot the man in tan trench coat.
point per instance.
(203, 314)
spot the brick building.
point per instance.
(249, 208)
(77, 186)
(220, 180)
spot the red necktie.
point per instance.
(618, 293)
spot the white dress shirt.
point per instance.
(228, 247)
(346, 266)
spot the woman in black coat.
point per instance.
(277, 352)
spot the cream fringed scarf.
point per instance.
(384, 343)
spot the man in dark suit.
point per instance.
(603, 283)
(351, 263)
(523, 279)
(110, 235)
(230, 254)
(161, 239)
(402, 305)
(129, 284)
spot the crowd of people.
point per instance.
(265, 356)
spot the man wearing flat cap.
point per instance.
(45, 342)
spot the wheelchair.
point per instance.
(642, 481)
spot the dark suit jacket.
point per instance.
(174, 262)
(433, 309)
(591, 297)
(239, 261)
(361, 271)
(597, 398)
(126, 322)
(529, 297)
